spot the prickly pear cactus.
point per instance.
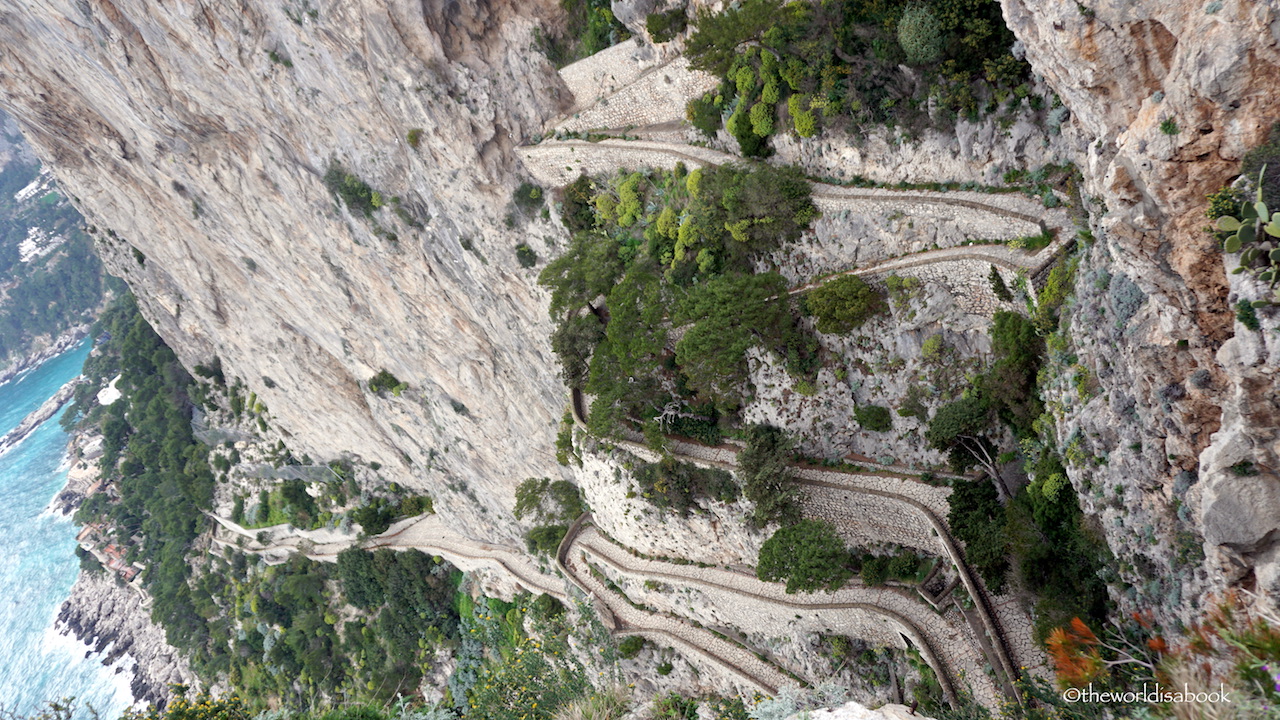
(1255, 234)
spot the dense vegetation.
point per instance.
(1040, 529)
(808, 555)
(157, 466)
(589, 27)
(54, 291)
(765, 472)
(843, 304)
(844, 63)
(675, 485)
(681, 247)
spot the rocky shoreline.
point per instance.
(114, 621)
(38, 416)
(61, 344)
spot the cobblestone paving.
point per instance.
(737, 664)
(880, 615)
(899, 510)
(657, 96)
(607, 72)
(425, 532)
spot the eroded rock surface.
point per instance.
(200, 134)
(1180, 401)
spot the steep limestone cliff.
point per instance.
(199, 133)
(1171, 94)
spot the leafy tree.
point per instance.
(766, 478)
(576, 209)
(586, 271)
(873, 417)
(731, 314)
(362, 579)
(545, 539)
(1010, 383)
(715, 42)
(977, 518)
(960, 428)
(843, 304)
(624, 368)
(573, 341)
(808, 556)
(704, 114)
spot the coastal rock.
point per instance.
(114, 621)
(45, 349)
(37, 417)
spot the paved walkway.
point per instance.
(880, 615)
(425, 532)
(986, 219)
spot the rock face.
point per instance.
(1170, 95)
(200, 134)
(113, 621)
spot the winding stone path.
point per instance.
(885, 615)
(985, 219)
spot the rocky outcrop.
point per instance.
(201, 134)
(38, 416)
(114, 622)
(1168, 97)
(44, 349)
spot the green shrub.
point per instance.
(802, 118)
(875, 570)
(741, 128)
(808, 555)
(874, 418)
(920, 35)
(843, 304)
(762, 119)
(546, 607)
(353, 191)
(1169, 126)
(631, 646)
(1247, 315)
(765, 473)
(528, 197)
(664, 26)
(375, 516)
(577, 212)
(545, 539)
(678, 486)
(665, 668)
(1225, 202)
(414, 137)
(904, 566)
(384, 380)
(526, 256)
(704, 114)
(675, 707)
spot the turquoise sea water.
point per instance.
(38, 562)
